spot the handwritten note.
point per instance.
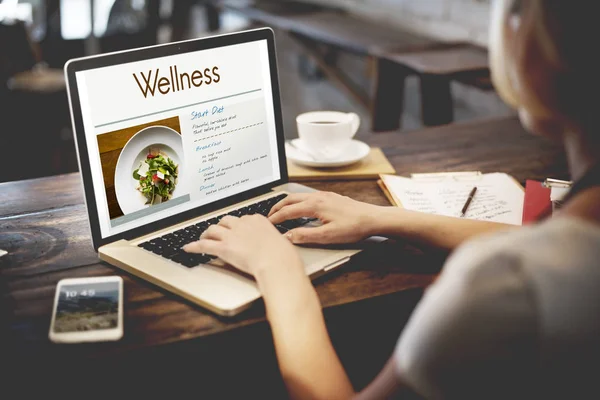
(499, 198)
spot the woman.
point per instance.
(514, 313)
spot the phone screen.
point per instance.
(87, 307)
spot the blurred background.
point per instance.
(37, 37)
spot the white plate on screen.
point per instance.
(297, 152)
(163, 138)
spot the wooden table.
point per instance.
(322, 31)
(436, 69)
(43, 225)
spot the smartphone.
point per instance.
(87, 310)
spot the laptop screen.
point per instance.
(169, 134)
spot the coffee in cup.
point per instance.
(327, 133)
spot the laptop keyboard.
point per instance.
(169, 245)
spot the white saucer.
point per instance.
(353, 153)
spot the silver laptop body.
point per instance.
(221, 96)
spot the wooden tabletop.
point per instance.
(44, 227)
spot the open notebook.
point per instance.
(499, 197)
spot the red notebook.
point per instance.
(537, 202)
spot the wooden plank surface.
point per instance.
(156, 317)
(43, 242)
(357, 35)
(490, 145)
(33, 195)
(333, 27)
(452, 60)
(275, 8)
(46, 246)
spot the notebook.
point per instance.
(499, 197)
(375, 164)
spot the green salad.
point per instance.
(157, 177)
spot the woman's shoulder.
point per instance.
(555, 262)
(501, 302)
(564, 244)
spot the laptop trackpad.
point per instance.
(312, 256)
(316, 259)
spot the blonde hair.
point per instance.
(554, 36)
(499, 68)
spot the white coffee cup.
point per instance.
(327, 133)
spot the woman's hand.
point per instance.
(344, 220)
(253, 245)
(250, 243)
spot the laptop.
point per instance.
(170, 139)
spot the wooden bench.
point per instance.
(321, 31)
(436, 69)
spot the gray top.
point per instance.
(512, 315)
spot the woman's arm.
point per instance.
(434, 230)
(307, 360)
(346, 221)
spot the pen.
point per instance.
(469, 200)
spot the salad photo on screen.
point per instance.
(143, 166)
(156, 177)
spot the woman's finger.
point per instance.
(317, 235)
(293, 211)
(214, 232)
(206, 246)
(228, 221)
(289, 199)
